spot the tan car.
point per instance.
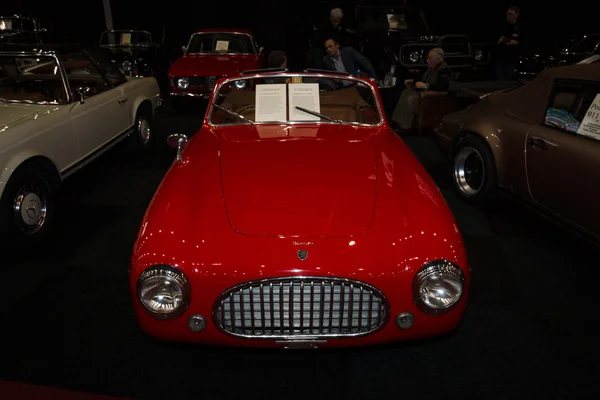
(539, 142)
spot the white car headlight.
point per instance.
(164, 292)
(478, 55)
(438, 286)
(183, 83)
(414, 56)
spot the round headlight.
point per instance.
(164, 292)
(240, 84)
(478, 55)
(414, 56)
(438, 286)
(127, 66)
(183, 83)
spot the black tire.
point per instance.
(143, 130)
(27, 206)
(474, 171)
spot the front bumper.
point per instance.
(204, 96)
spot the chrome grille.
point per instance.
(301, 307)
(210, 81)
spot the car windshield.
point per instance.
(126, 38)
(585, 44)
(217, 42)
(383, 19)
(16, 24)
(295, 98)
(30, 79)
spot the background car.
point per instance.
(60, 108)
(579, 48)
(400, 36)
(297, 218)
(19, 29)
(212, 54)
(136, 54)
(539, 142)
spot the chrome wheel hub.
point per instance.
(144, 130)
(469, 171)
(30, 210)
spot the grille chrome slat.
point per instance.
(287, 307)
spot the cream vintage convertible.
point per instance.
(60, 108)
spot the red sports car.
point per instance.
(297, 218)
(212, 54)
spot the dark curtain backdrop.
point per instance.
(280, 24)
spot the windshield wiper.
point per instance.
(316, 114)
(233, 113)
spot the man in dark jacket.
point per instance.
(436, 78)
(346, 59)
(509, 45)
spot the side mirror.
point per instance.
(178, 141)
(82, 91)
(183, 49)
(261, 50)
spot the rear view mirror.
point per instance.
(178, 141)
(183, 49)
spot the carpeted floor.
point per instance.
(67, 321)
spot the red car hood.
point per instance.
(213, 65)
(298, 181)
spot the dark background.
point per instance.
(274, 22)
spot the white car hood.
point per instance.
(12, 114)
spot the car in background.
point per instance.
(212, 54)
(19, 29)
(136, 54)
(577, 50)
(61, 106)
(539, 143)
(397, 39)
(295, 217)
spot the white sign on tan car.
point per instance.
(59, 109)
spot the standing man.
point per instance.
(509, 45)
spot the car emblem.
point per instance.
(302, 254)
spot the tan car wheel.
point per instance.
(474, 170)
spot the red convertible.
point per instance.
(212, 54)
(295, 217)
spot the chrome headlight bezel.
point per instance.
(183, 82)
(439, 269)
(127, 66)
(414, 56)
(171, 276)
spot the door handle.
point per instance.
(537, 142)
(123, 100)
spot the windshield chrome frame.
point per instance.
(254, 49)
(125, 31)
(63, 76)
(217, 88)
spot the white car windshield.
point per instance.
(220, 42)
(29, 79)
(295, 98)
(125, 38)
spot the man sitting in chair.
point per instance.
(346, 59)
(436, 78)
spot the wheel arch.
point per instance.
(38, 161)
